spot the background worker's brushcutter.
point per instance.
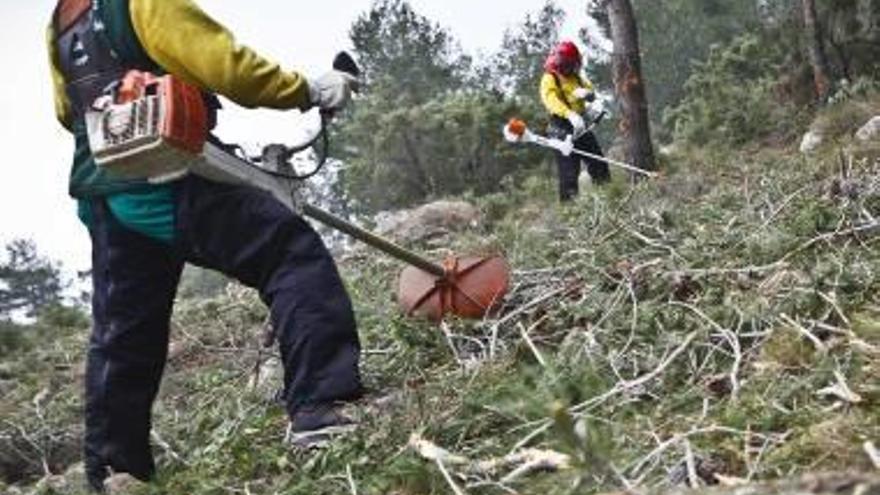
(516, 131)
(155, 128)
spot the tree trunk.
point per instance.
(816, 49)
(629, 85)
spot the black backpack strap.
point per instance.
(85, 57)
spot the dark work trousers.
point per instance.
(569, 167)
(242, 232)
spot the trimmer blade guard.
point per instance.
(473, 287)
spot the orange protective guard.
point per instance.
(516, 127)
(473, 287)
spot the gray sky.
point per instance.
(301, 35)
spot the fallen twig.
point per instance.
(873, 454)
(532, 461)
(638, 466)
(352, 487)
(520, 463)
(731, 339)
(431, 451)
(818, 344)
(522, 309)
(448, 478)
(448, 334)
(828, 236)
(840, 390)
(630, 384)
(167, 448)
(691, 464)
(528, 340)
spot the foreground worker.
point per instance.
(568, 97)
(142, 234)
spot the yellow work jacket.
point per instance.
(181, 39)
(557, 94)
(186, 42)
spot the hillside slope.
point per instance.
(719, 325)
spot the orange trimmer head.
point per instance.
(470, 287)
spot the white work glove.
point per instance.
(332, 91)
(584, 94)
(566, 146)
(577, 124)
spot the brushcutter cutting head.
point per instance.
(517, 127)
(472, 287)
(515, 130)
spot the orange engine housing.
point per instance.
(186, 118)
(151, 126)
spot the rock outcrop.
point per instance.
(428, 221)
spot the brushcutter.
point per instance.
(516, 131)
(152, 135)
(466, 286)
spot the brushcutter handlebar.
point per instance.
(592, 125)
(599, 118)
(276, 157)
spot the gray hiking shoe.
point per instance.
(314, 426)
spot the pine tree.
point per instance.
(629, 84)
(28, 281)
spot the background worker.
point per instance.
(568, 97)
(143, 233)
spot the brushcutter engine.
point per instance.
(156, 127)
(148, 127)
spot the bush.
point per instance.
(448, 146)
(201, 283)
(58, 316)
(734, 96)
(849, 109)
(52, 322)
(12, 338)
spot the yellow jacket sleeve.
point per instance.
(559, 98)
(552, 97)
(62, 104)
(186, 42)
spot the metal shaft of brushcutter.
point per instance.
(616, 163)
(566, 147)
(625, 166)
(372, 239)
(221, 166)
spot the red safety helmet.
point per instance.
(568, 51)
(565, 59)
